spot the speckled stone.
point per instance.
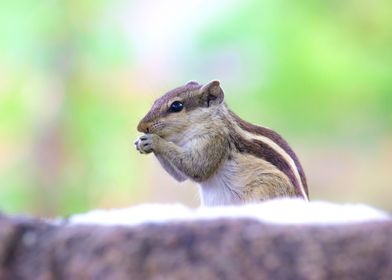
(214, 249)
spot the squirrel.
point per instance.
(194, 135)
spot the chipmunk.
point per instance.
(195, 136)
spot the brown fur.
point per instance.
(161, 106)
(207, 143)
(255, 149)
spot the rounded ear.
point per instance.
(212, 93)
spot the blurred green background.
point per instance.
(76, 77)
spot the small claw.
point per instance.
(145, 144)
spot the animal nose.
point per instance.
(143, 127)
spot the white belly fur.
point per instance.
(240, 180)
(220, 189)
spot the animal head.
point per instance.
(182, 108)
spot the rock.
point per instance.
(224, 248)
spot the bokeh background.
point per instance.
(76, 77)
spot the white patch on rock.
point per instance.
(280, 211)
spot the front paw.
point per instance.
(146, 143)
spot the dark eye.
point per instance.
(176, 106)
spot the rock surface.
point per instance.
(214, 249)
